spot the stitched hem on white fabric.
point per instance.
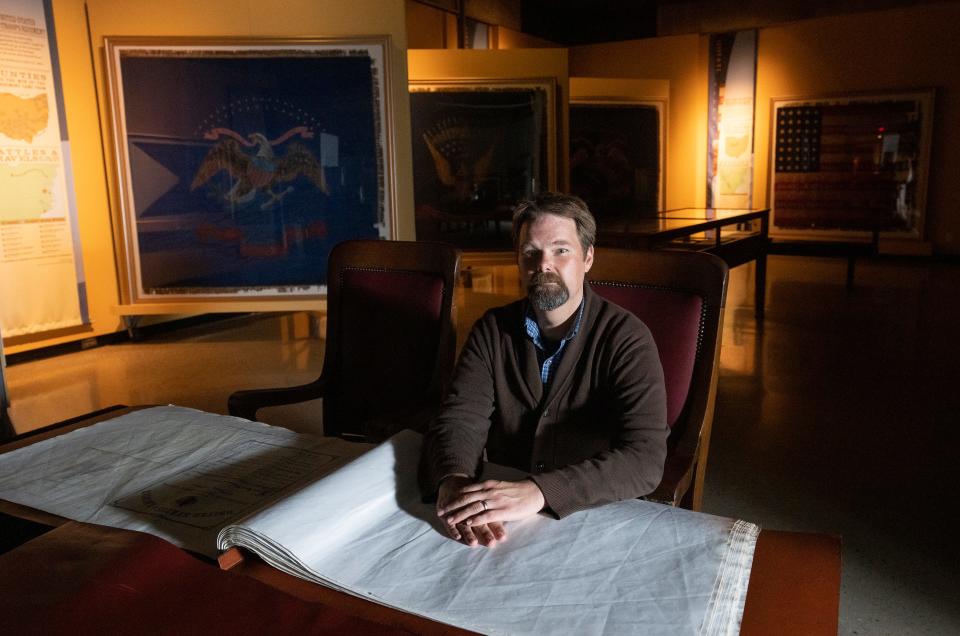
(725, 610)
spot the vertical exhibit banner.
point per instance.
(732, 86)
(41, 274)
(6, 426)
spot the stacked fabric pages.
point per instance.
(630, 567)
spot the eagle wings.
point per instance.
(261, 171)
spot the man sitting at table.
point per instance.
(562, 384)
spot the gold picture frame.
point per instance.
(618, 132)
(240, 162)
(850, 166)
(480, 146)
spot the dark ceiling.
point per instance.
(572, 22)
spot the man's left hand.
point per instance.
(492, 501)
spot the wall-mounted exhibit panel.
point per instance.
(242, 162)
(617, 157)
(6, 426)
(731, 86)
(843, 166)
(42, 281)
(479, 146)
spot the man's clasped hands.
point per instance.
(474, 513)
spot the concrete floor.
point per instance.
(840, 417)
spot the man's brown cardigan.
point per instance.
(597, 435)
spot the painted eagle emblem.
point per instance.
(462, 156)
(255, 168)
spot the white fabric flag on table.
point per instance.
(178, 473)
(629, 567)
(184, 475)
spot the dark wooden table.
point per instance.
(794, 586)
(736, 236)
(82, 578)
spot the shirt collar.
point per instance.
(533, 327)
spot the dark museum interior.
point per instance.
(811, 146)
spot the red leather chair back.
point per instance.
(390, 337)
(390, 329)
(674, 319)
(390, 342)
(680, 296)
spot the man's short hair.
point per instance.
(565, 205)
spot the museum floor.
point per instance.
(840, 417)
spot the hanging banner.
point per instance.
(732, 86)
(6, 426)
(41, 274)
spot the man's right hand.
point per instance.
(488, 534)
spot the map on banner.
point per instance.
(27, 192)
(23, 118)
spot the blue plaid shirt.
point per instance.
(549, 352)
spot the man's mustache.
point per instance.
(542, 278)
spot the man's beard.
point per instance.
(544, 296)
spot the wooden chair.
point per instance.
(7, 431)
(680, 296)
(390, 342)
(6, 424)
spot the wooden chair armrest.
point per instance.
(245, 404)
(677, 478)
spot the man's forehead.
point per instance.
(550, 240)
(550, 228)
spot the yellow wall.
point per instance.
(479, 63)
(84, 88)
(427, 27)
(899, 49)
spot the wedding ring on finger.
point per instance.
(484, 504)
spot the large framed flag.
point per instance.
(479, 146)
(848, 164)
(243, 161)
